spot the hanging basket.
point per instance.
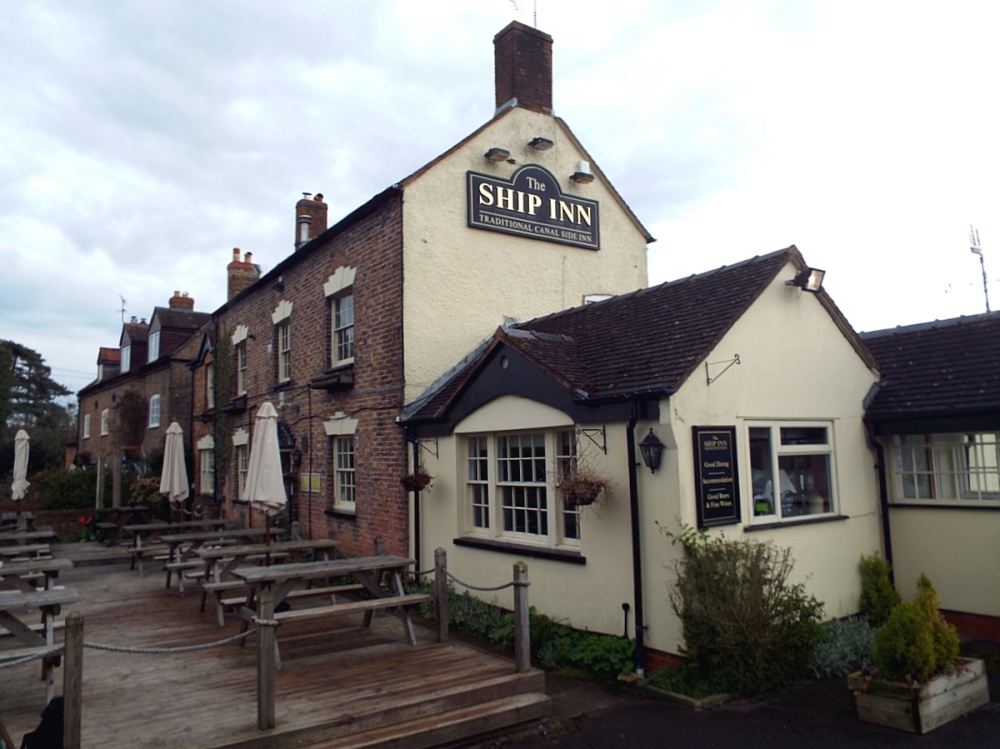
(581, 493)
(416, 482)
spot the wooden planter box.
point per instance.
(923, 707)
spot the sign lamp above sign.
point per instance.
(530, 204)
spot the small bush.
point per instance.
(878, 596)
(945, 636)
(686, 679)
(847, 645)
(745, 626)
(67, 490)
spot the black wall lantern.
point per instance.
(652, 451)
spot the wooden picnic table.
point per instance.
(183, 545)
(143, 530)
(221, 561)
(14, 538)
(22, 575)
(370, 572)
(13, 605)
(27, 551)
(119, 519)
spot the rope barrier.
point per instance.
(184, 649)
(33, 657)
(473, 587)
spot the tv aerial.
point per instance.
(977, 249)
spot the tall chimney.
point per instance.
(182, 301)
(523, 68)
(310, 218)
(241, 273)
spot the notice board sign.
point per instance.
(716, 477)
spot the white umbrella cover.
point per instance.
(265, 486)
(19, 488)
(174, 480)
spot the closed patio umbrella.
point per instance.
(174, 479)
(19, 487)
(265, 486)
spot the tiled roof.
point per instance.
(648, 340)
(653, 338)
(136, 332)
(109, 355)
(180, 319)
(941, 368)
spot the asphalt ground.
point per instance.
(810, 714)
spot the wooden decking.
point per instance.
(340, 685)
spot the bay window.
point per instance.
(952, 467)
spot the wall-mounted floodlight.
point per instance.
(497, 154)
(582, 175)
(808, 279)
(540, 143)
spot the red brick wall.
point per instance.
(373, 245)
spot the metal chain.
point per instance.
(28, 658)
(473, 587)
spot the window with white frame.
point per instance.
(512, 490)
(241, 368)
(791, 469)
(343, 473)
(242, 463)
(284, 335)
(126, 361)
(154, 346)
(86, 426)
(206, 462)
(154, 411)
(210, 385)
(105, 422)
(951, 467)
(339, 290)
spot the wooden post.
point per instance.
(441, 593)
(72, 680)
(379, 547)
(265, 658)
(522, 626)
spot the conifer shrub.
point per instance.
(746, 627)
(878, 596)
(916, 642)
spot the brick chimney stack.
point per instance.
(242, 273)
(182, 301)
(523, 68)
(310, 218)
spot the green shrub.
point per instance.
(916, 642)
(67, 490)
(745, 626)
(847, 645)
(686, 679)
(944, 635)
(878, 596)
(904, 645)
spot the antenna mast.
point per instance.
(122, 310)
(977, 249)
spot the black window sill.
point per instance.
(333, 512)
(340, 377)
(284, 385)
(236, 405)
(794, 523)
(981, 505)
(521, 550)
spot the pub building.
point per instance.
(486, 321)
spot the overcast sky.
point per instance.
(141, 141)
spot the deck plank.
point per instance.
(333, 670)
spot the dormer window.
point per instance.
(154, 346)
(126, 358)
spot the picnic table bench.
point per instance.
(20, 538)
(22, 575)
(220, 562)
(369, 572)
(118, 519)
(183, 545)
(26, 551)
(140, 531)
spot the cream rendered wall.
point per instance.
(958, 551)
(460, 283)
(795, 365)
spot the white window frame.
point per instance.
(210, 385)
(344, 473)
(86, 426)
(154, 411)
(946, 468)
(206, 466)
(105, 422)
(126, 356)
(342, 329)
(154, 346)
(242, 463)
(794, 500)
(284, 335)
(516, 498)
(241, 368)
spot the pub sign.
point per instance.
(531, 204)
(716, 477)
